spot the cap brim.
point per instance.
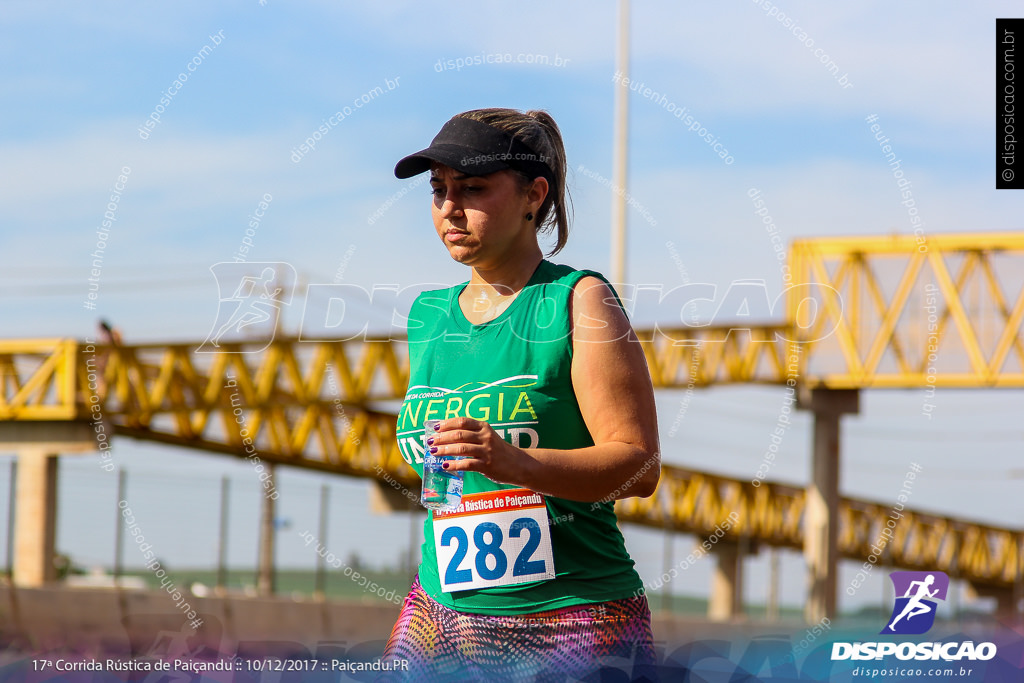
(463, 159)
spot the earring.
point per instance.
(529, 216)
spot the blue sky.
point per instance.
(80, 79)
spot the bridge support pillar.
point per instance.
(386, 499)
(266, 578)
(37, 445)
(1007, 599)
(821, 515)
(726, 600)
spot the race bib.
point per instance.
(497, 538)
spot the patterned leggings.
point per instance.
(441, 644)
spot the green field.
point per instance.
(291, 582)
(337, 586)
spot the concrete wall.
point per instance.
(103, 620)
(95, 621)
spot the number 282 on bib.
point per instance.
(497, 538)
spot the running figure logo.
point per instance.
(916, 593)
(251, 297)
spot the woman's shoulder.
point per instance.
(587, 292)
(557, 273)
(575, 282)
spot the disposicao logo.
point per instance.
(914, 614)
(916, 595)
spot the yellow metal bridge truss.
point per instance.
(862, 313)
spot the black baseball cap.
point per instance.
(475, 148)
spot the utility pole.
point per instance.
(620, 156)
(265, 573)
(222, 538)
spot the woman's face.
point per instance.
(480, 219)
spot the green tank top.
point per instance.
(513, 373)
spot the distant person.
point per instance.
(110, 334)
(542, 386)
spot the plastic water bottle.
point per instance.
(442, 490)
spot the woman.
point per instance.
(547, 408)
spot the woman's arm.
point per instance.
(613, 387)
